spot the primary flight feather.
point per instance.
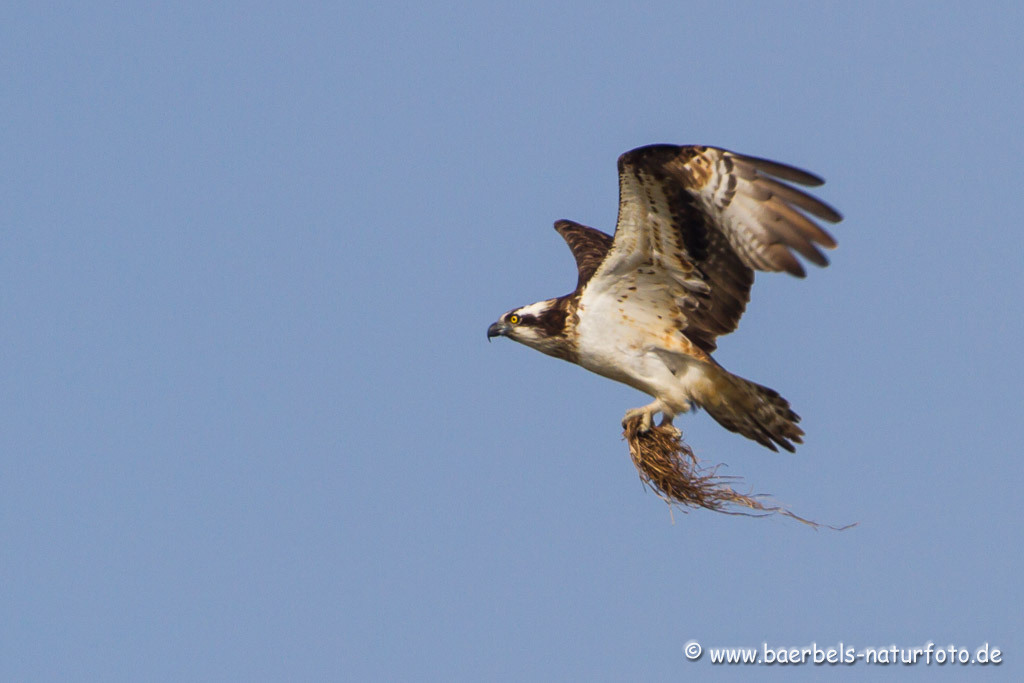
(694, 224)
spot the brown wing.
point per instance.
(703, 219)
(758, 214)
(588, 247)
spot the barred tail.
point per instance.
(754, 411)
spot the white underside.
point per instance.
(648, 355)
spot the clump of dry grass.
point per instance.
(669, 468)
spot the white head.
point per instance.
(540, 326)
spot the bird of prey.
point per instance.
(694, 224)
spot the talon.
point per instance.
(646, 415)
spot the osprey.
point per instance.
(694, 224)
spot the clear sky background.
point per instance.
(250, 426)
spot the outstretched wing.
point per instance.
(695, 222)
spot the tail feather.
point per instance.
(756, 412)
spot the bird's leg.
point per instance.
(646, 414)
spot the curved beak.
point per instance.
(497, 329)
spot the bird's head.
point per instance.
(540, 326)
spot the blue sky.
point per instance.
(251, 427)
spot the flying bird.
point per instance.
(694, 224)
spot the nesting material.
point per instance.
(670, 469)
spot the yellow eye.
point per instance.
(514, 319)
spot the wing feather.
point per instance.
(784, 171)
(766, 188)
(588, 246)
(698, 221)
